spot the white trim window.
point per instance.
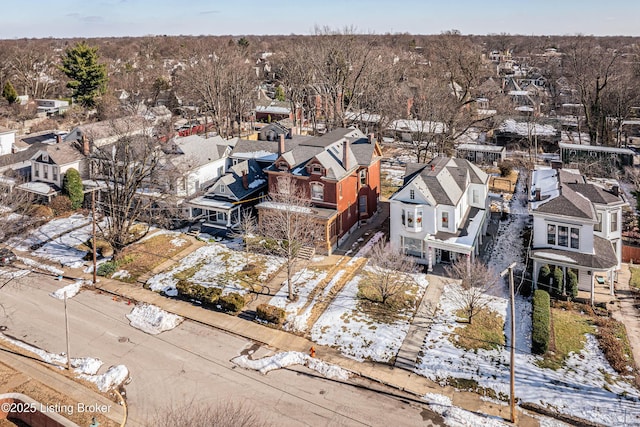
(614, 222)
(445, 220)
(317, 191)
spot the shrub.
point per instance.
(211, 295)
(271, 313)
(558, 282)
(60, 205)
(107, 268)
(612, 337)
(572, 284)
(232, 302)
(541, 322)
(505, 169)
(204, 294)
(72, 187)
(543, 277)
(40, 211)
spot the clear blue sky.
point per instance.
(96, 18)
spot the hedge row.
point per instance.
(541, 321)
(270, 313)
(232, 302)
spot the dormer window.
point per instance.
(412, 194)
(45, 157)
(283, 166)
(316, 169)
(223, 188)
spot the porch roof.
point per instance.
(206, 203)
(40, 188)
(603, 257)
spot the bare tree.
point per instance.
(16, 213)
(476, 280)
(288, 224)
(247, 230)
(128, 168)
(389, 274)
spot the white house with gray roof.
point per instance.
(576, 226)
(440, 213)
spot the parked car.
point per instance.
(6, 256)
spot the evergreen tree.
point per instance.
(72, 187)
(88, 78)
(9, 93)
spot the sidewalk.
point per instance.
(627, 310)
(280, 340)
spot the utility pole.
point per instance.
(512, 397)
(93, 220)
(66, 326)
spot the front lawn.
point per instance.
(568, 329)
(486, 332)
(142, 257)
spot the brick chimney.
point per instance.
(85, 146)
(58, 138)
(281, 145)
(245, 180)
(615, 190)
(556, 164)
(345, 155)
(433, 167)
(371, 137)
(538, 194)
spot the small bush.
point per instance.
(541, 322)
(558, 282)
(612, 337)
(232, 302)
(505, 169)
(107, 268)
(60, 205)
(204, 294)
(543, 277)
(572, 284)
(271, 313)
(41, 211)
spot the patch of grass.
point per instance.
(486, 332)
(635, 277)
(569, 329)
(466, 384)
(188, 273)
(396, 306)
(142, 257)
(387, 186)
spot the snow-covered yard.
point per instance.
(216, 265)
(586, 387)
(48, 231)
(358, 335)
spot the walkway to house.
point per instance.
(409, 353)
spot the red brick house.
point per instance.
(340, 174)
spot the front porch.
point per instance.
(215, 214)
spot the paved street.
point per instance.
(192, 363)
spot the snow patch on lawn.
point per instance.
(121, 274)
(152, 319)
(357, 335)
(303, 284)
(40, 266)
(366, 248)
(216, 265)
(13, 274)
(48, 231)
(71, 290)
(285, 359)
(178, 242)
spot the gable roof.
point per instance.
(196, 151)
(233, 180)
(445, 179)
(61, 154)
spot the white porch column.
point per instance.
(536, 270)
(430, 258)
(611, 286)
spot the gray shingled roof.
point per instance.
(603, 257)
(233, 180)
(569, 203)
(63, 153)
(595, 193)
(445, 178)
